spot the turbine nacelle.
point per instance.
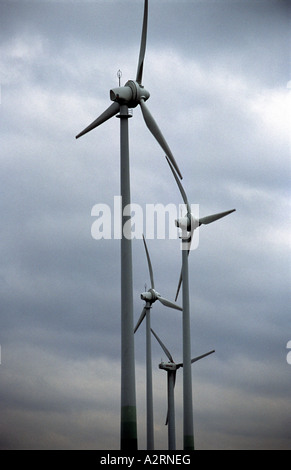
(150, 296)
(169, 366)
(131, 94)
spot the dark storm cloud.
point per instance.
(217, 72)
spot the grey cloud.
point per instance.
(60, 289)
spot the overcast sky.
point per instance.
(218, 74)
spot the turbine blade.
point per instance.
(205, 221)
(212, 218)
(109, 113)
(181, 275)
(167, 419)
(149, 264)
(201, 357)
(142, 44)
(196, 359)
(179, 286)
(168, 354)
(154, 129)
(175, 374)
(169, 304)
(183, 194)
(174, 380)
(143, 314)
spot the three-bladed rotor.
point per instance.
(152, 295)
(132, 95)
(189, 223)
(171, 366)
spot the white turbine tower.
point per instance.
(150, 297)
(171, 369)
(129, 96)
(188, 224)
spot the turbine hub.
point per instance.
(131, 94)
(150, 296)
(147, 296)
(187, 223)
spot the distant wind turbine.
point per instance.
(188, 224)
(129, 96)
(171, 369)
(150, 297)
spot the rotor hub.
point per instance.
(150, 296)
(187, 223)
(131, 94)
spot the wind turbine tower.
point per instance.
(188, 224)
(125, 97)
(150, 297)
(171, 368)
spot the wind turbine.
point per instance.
(188, 224)
(171, 369)
(133, 94)
(130, 95)
(150, 297)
